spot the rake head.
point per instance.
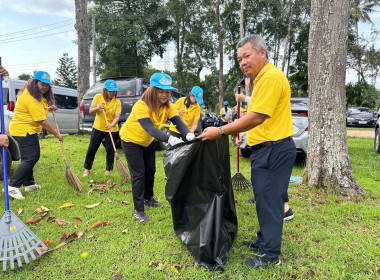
(123, 170)
(239, 182)
(73, 179)
(17, 241)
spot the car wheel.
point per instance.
(245, 153)
(9, 163)
(377, 141)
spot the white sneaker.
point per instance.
(32, 188)
(15, 193)
(107, 172)
(86, 172)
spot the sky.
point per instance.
(35, 33)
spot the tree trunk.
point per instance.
(81, 26)
(242, 19)
(328, 163)
(220, 40)
(288, 36)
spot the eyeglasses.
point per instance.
(45, 85)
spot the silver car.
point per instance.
(300, 126)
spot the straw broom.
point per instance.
(123, 171)
(71, 177)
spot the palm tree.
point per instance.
(360, 11)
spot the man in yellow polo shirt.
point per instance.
(269, 127)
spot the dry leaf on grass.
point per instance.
(59, 221)
(99, 223)
(123, 192)
(19, 211)
(84, 255)
(125, 202)
(33, 221)
(65, 205)
(116, 277)
(47, 242)
(91, 206)
(109, 200)
(77, 219)
(59, 246)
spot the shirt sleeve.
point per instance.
(118, 107)
(37, 110)
(266, 97)
(141, 110)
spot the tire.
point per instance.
(9, 163)
(377, 141)
(245, 153)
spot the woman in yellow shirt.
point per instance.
(189, 110)
(143, 125)
(34, 102)
(107, 102)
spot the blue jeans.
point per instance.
(30, 154)
(271, 168)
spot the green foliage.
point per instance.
(329, 238)
(66, 72)
(24, 76)
(128, 34)
(362, 94)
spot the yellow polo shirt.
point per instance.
(112, 108)
(271, 96)
(189, 114)
(132, 131)
(28, 113)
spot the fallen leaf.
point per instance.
(63, 237)
(123, 192)
(46, 242)
(172, 268)
(61, 222)
(51, 219)
(116, 277)
(65, 205)
(125, 231)
(90, 236)
(109, 200)
(77, 219)
(67, 238)
(80, 234)
(125, 202)
(155, 263)
(84, 255)
(19, 211)
(91, 206)
(99, 223)
(160, 266)
(59, 246)
(45, 209)
(293, 238)
(32, 221)
(32, 228)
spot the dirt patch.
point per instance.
(361, 133)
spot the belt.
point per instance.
(257, 147)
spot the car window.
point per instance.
(126, 88)
(298, 102)
(359, 110)
(65, 102)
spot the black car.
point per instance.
(360, 116)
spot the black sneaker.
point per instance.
(288, 215)
(152, 203)
(140, 216)
(259, 262)
(252, 245)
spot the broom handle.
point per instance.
(4, 150)
(113, 143)
(62, 147)
(237, 148)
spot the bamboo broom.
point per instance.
(121, 168)
(71, 177)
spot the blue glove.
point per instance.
(190, 136)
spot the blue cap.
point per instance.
(225, 103)
(203, 106)
(161, 81)
(42, 76)
(198, 94)
(111, 85)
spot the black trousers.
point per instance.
(97, 137)
(142, 166)
(30, 154)
(271, 168)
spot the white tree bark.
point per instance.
(328, 163)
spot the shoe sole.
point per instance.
(289, 218)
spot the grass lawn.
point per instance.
(329, 238)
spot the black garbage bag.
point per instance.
(200, 193)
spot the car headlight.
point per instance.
(350, 119)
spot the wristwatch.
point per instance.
(221, 131)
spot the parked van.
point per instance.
(67, 113)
